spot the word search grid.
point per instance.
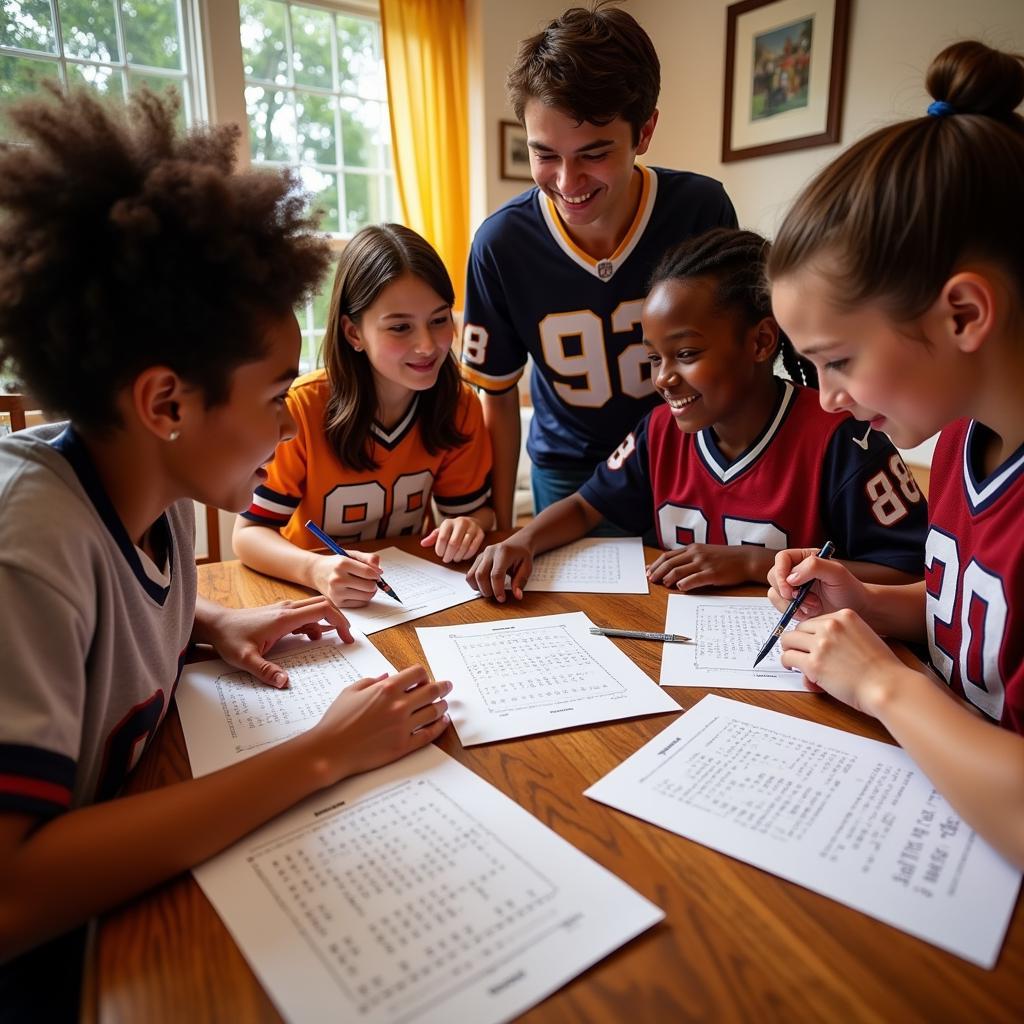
(533, 668)
(416, 893)
(518, 677)
(437, 896)
(424, 588)
(227, 715)
(594, 565)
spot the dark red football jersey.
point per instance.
(810, 476)
(974, 565)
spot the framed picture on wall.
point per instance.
(785, 61)
(515, 154)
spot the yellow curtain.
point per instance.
(425, 57)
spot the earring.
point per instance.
(174, 435)
(357, 348)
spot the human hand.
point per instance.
(455, 539)
(350, 581)
(840, 653)
(243, 636)
(487, 574)
(709, 565)
(376, 721)
(835, 586)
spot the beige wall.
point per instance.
(890, 45)
(494, 28)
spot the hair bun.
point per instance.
(975, 79)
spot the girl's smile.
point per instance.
(406, 333)
(710, 369)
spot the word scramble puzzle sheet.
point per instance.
(844, 816)
(227, 715)
(416, 893)
(517, 677)
(423, 586)
(727, 634)
(594, 565)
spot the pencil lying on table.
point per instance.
(641, 634)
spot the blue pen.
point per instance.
(338, 550)
(798, 599)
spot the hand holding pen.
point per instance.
(798, 599)
(377, 580)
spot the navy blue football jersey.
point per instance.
(809, 477)
(531, 291)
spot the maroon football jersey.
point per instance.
(974, 558)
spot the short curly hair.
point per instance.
(125, 244)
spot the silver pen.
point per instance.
(641, 634)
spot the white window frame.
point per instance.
(188, 78)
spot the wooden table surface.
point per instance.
(736, 944)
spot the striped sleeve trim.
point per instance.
(462, 504)
(492, 385)
(269, 508)
(36, 781)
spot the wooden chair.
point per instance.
(17, 405)
(212, 536)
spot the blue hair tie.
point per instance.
(940, 108)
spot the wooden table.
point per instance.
(736, 944)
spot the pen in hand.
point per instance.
(798, 599)
(339, 550)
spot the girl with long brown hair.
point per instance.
(385, 427)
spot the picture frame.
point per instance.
(515, 155)
(785, 65)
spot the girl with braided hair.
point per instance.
(737, 461)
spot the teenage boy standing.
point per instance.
(559, 273)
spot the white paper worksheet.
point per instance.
(518, 677)
(227, 715)
(423, 586)
(727, 633)
(845, 816)
(594, 565)
(413, 894)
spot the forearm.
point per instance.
(977, 766)
(89, 860)
(897, 611)
(484, 517)
(501, 414)
(266, 551)
(561, 523)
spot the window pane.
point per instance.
(28, 24)
(315, 124)
(19, 77)
(311, 47)
(152, 33)
(159, 84)
(322, 304)
(325, 191)
(271, 124)
(360, 70)
(390, 200)
(264, 48)
(360, 132)
(105, 81)
(362, 204)
(88, 29)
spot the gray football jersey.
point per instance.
(91, 645)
